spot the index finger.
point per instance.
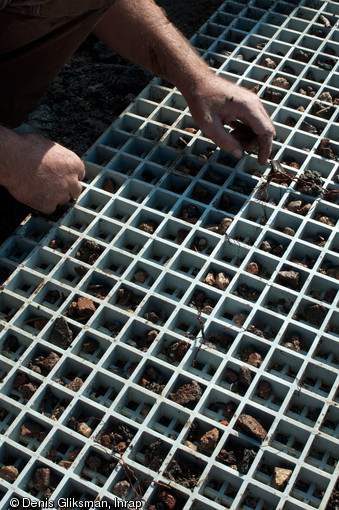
(262, 126)
(265, 147)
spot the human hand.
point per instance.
(216, 102)
(40, 173)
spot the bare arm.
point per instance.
(38, 172)
(139, 31)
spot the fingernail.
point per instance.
(238, 153)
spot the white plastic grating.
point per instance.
(144, 157)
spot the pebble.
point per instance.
(75, 385)
(253, 268)
(84, 429)
(264, 390)
(9, 473)
(210, 279)
(326, 96)
(252, 427)
(315, 314)
(294, 206)
(187, 394)
(61, 333)
(190, 445)
(269, 63)
(255, 359)
(282, 83)
(280, 477)
(148, 226)
(122, 489)
(221, 281)
(289, 231)
(245, 377)
(85, 307)
(41, 479)
(167, 500)
(240, 318)
(140, 276)
(210, 439)
(289, 279)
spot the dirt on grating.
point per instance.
(94, 88)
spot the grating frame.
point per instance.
(162, 208)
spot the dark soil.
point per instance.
(95, 86)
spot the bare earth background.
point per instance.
(94, 87)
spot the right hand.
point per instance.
(42, 174)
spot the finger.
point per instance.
(224, 139)
(74, 190)
(245, 136)
(262, 126)
(265, 147)
(81, 173)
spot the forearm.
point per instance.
(139, 31)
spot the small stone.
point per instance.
(222, 281)
(224, 225)
(90, 345)
(264, 390)
(289, 231)
(75, 385)
(315, 314)
(269, 63)
(44, 364)
(167, 500)
(305, 209)
(66, 464)
(190, 445)
(32, 429)
(140, 276)
(289, 279)
(41, 479)
(294, 205)
(246, 461)
(122, 489)
(210, 279)
(224, 422)
(209, 440)
(61, 333)
(9, 473)
(28, 390)
(252, 427)
(280, 477)
(240, 318)
(282, 83)
(84, 429)
(85, 307)
(326, 96)
(148, 226)
(254, 359)
(245, 377)
(302, 56)
(266, 246)
(253, 268)
(187, 394)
